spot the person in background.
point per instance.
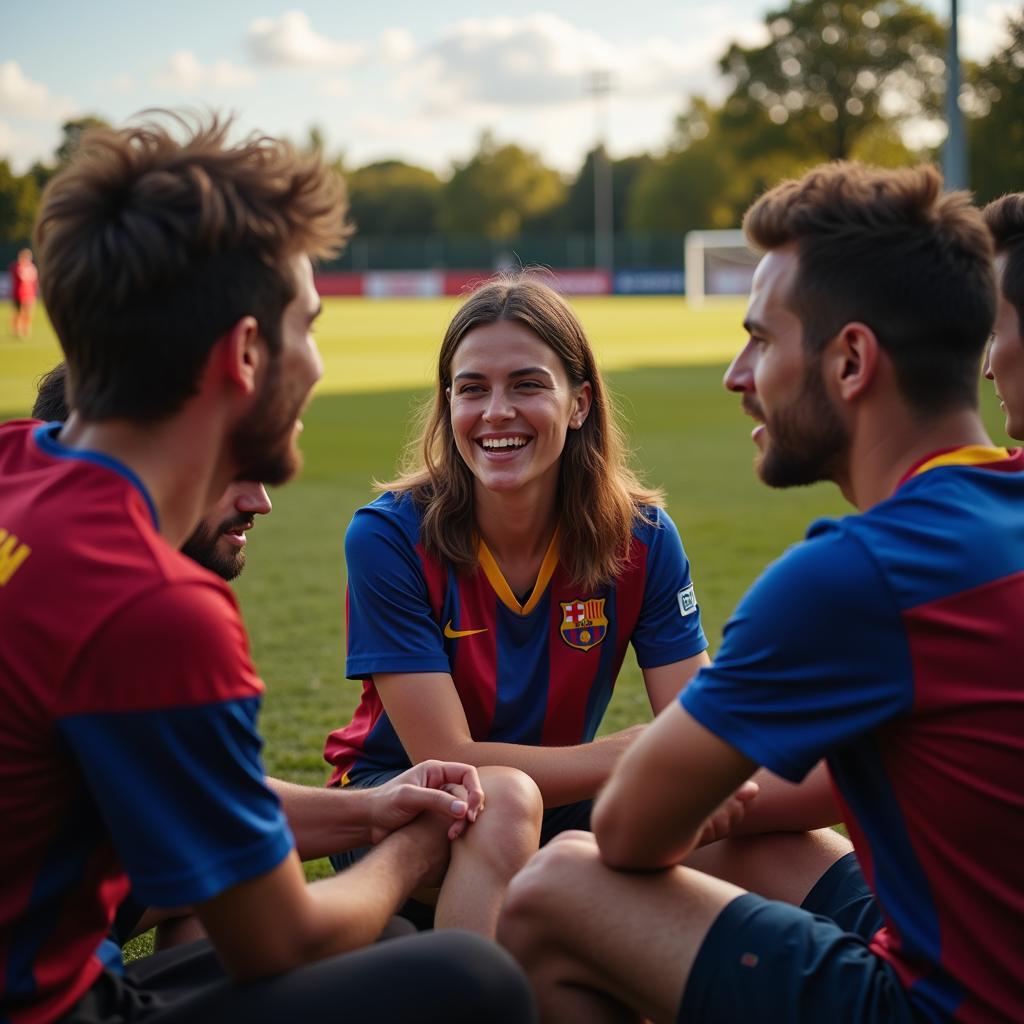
(24, 285)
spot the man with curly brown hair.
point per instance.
(177, 274)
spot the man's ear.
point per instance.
(243, 354)
(852, 360)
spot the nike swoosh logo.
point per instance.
(454, 634)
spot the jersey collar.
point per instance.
(45, 436)
(967, 455)
(500, 584)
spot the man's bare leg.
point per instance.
(777, 865)
(602, 945)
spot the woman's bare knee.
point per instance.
(514, 807)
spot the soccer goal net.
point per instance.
(717, 263)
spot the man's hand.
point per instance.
(444, 788)
(427, 847)
(728, 814)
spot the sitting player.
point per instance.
(218, 543)
(494, 589)
(178, 279)
(889, 643)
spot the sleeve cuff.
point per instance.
(210, 879)
(362, 666)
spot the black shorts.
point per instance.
(446, 977)
(766, 961)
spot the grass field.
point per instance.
(665, 365)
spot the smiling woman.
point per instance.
(495, 585)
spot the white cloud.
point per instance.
(186, 73)
(22, 98)
(123, 84)
(981, 35)
(336, 88)
(8, 138)
(396, 45)
(291, 41)
(374, 129)
(23, 147)
(544, 60)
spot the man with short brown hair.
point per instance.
(888, 643)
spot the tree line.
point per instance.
(834, 81)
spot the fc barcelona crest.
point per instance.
(583, 623)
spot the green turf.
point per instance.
(687, 433)
(370, 345)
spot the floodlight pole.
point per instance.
(600, 85)
(954, 153)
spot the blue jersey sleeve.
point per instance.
(169, 750)
(669, 627)
(391, 626)
(813, 657)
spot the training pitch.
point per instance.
(664, 363)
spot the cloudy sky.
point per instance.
(395, 78)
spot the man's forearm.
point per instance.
(324, 821)
(275, 921)
(369, 892)
(783, 806)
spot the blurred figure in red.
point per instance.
(24, 283)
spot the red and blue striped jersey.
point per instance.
(539, 672)
(892, 643)
(128, 748)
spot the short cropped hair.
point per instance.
(51, 402)
(890, 249)
(150, 248)
(1005, 219)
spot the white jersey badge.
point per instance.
(687, 601)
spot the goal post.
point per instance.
(718, 263)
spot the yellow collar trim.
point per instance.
(969, 455)
(500, 584)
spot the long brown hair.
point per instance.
(599, 496)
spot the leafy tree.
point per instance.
(831, 68)
(996, 130)
(681, 192)
(315, 142)
(72, 135)
(41, 173)
(710, 175)
(882, 145)
(394, 198)
(19, 198)
(577, 214)
(498, 191)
